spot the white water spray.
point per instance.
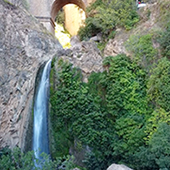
(40, 130)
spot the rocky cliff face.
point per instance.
(24, 46)
(84, 55)
(149, 20)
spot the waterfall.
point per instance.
(40, 126)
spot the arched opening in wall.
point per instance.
(69, 16)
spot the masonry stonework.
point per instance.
(46, 10)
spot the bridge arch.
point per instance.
(58, 4)
(46, 10)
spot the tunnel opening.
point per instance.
(69, 14)
(59, 4)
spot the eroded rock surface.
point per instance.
(24, 46)
(84, 55)
(115, 46)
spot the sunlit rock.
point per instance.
(118, 167)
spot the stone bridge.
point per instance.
(46, 10)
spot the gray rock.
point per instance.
(76, 169)
(118, 167)
(87, 57)
(97, 38)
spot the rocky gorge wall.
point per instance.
(24, 46)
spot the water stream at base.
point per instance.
(40, 126)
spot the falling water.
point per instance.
(40, 132)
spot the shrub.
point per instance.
(60, 19)
(15, 159)
(160, 146)
(105, 16)
(142, 49)
(158, 85)
(165, 42)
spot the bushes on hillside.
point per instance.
(143, 52)
(165, 42)
(108, 118)
(105, 16)
(17, 160)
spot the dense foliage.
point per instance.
(15, 159)
(77, 112)
(105, 15)
(109, 117)
(142, 49)
(164, 42)
(122, 114)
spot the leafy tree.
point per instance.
(158, 116)
(122, 97)
(160, 146)
(126, 105)
(63, 107)
(158, 85)
(126, 87)
(144, 159)
(16, 159)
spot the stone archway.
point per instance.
(73, 16)
(58, 4)
(46, 10)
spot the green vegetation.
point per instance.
(105, 16)
(158, 84)
(122, 114)
(25, 4)
(15, 159)
(6, 1)
(60, 18)
(164, 42)
(113, 110)
(142, 49)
